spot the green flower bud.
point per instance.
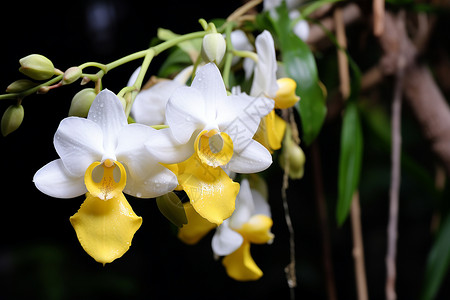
(295, 156)
(20, 86)
(37, 67)
(213, 47)
(72, 74)
(81, 103)
(12, 118)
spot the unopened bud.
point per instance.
(72, 74)
(37, 67)
(296, 159)
(12, 118)
(213, 47)
(81, 103)
(285, 96)
(20, 86)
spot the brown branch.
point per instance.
(350, 14)
(358, 249)
(323, 221)
(421, 91)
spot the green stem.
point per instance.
(228, 55)
(25, 93)
(247, 54)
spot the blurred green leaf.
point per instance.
(349, 160)
(438, 262)
(172, 208)
(176, 61)
(300, 65)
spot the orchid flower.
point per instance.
(265, 82)
(208, 131)
(149, 107)
(250, 223)
(103, 155)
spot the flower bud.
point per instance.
(285, 96)
(12, 118)
(213, 47)
(81, 102)
(296, 159)
(37, 67)
(20, 86)
(71, 75)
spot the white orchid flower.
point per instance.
(104, 155)
(214, 131)
(250, 223)
(104, 136)
(149, 107)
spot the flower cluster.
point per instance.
(193, 134)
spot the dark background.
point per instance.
(40, 257)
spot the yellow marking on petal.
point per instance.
(285, 96)
(196, 228)
(240, 264)
(257, 229)
(105, 228)
(214, 148)
(211, 192)
(107, 188)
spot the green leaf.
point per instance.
(300, 65)
(172, 208)
(176, 61)
(349, 160)
(438, 262)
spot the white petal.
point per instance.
(225, 240)
(244, 206)
(185, 112)
(184, 75)
(262, 207)
(108, 113)
(209, 82)
(78, 142)
(134, 76)
(252, 159)
(239, 116)
(149, 107)
(264, 80)
(54, 180)
(163, 146)
(157, 181)
(146, 178)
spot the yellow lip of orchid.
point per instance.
(105, 223)
(107, 188)
(285, 96)
(214, 148)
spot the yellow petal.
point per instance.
(196, 228)
(240, 264)
(214, 148)
(257, 229)
(286, 96)
(107, 188)
(276, 127)
(105, 228)
(211, 192)
(271, 131)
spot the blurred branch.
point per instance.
(392, 230)
(323, 221)
(344, 77)
(350, 14)
(420, 89)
